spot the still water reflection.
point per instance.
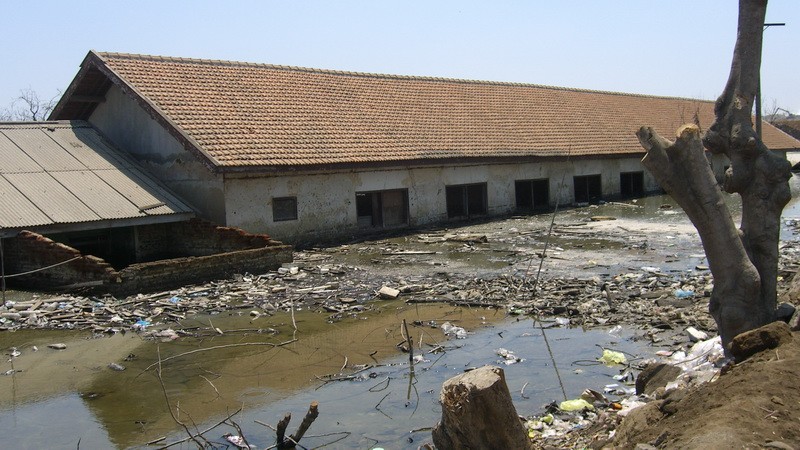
(59, 398)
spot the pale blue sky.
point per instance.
(674, 48)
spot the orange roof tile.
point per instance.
(244, 115)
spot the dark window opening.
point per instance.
(382, 209)
(588, 189)
(631, 184)
(466, 200)
(532, 195)
(284, 208)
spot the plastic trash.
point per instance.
(237, 441)
(175, 299)
(538, 424)
(563, 321)
(508, 356)
(610, 357)
(141, 324)
(165, 335)
(451, 330)
(681, 293)
(628, 405)
(577, 404)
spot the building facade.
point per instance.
(306, 154)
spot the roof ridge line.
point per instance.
(230, 63)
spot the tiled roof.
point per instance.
(243, 115)
(58, 173)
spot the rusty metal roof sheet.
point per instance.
(56, 173)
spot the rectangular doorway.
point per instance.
(382, 209)
(466, 200)
(532, 195)
(631, 184)
(588, 189)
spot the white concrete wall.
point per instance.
(326, 201)
(132, 129)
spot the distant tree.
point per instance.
(29, 107)
(774, 113)
(744, 262)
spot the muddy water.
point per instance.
(378, 412)
(647, 232)
(60, 397)
(651, 231)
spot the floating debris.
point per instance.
(452, 330)
(611, 357)
(508, 356)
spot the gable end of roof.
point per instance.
(89, 88)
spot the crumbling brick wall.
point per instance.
(197, 251)
(194, 237)
(171, 273)
(30, 252)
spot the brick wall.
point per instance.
(171, 273)
(31, 251)
(174, 255)
(194, 237)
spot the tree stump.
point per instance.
(477, 413)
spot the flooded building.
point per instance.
(77, 212)
(305, 154)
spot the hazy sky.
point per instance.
(674, 48)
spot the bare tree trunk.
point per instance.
(744, 263)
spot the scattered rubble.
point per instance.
(669, 305)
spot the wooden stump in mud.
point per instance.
(477, 413)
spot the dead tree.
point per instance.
(744, 262)
(29, 107)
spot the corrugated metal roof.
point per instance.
(38, 145)
(138, 189)
(91, 154)
(56, 173)
(51, 197)
(14, 159)
(18, 210)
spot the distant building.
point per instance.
(305, 154)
